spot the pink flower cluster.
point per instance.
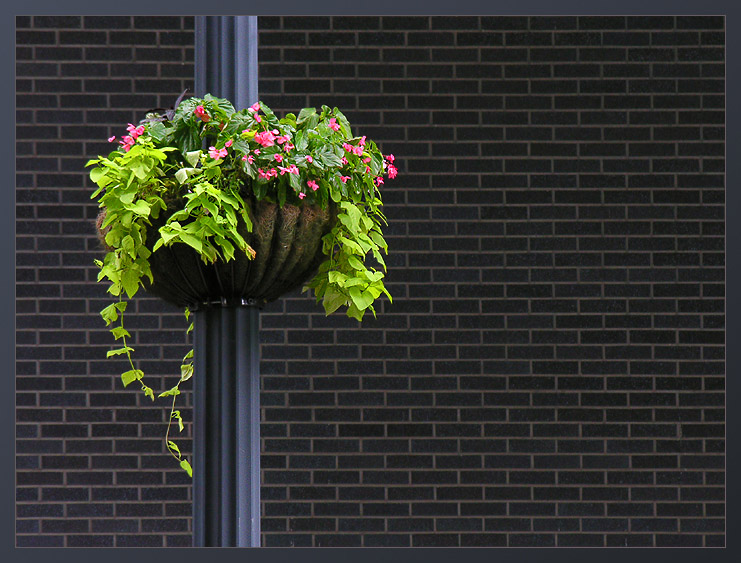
(254, 108)
(128, 141)
(201, 114)
(313, 185)
(391, 169)
(266, 138)
(215, 153)
(272, 173)
(292, 169)
(355, 150)
(333, 125)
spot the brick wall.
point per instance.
(551, 371)
(91, 468)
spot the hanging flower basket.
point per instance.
(205, 205)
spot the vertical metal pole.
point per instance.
(226, 58)
(226, 445)
(226, 472)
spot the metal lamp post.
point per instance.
(226, 480)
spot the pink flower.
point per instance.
(257, 118)
(135, 131)
(278, 157)
(215, 153)
(282, 139)
(362, 141)
(309, 159)
(313, 185)
(355, 150)
(249, 158)
(272, 173)
(378, 180)
(200, 112)
(332, 123)
(292, 169)
(392, 171)
(343, 160)
(111, 139)
(127, 143)
(266, 139)
(228, 143)
(255, 107)
(366, 160)
(344, 179)
(390, 157)
(367, 169)
(301, 195)
(288, 147)
(256, 151)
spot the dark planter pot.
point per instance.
(288, 246)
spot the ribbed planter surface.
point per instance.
(288, 246)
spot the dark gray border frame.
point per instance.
(396, 7)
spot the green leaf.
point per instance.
(172, 446)
(185, 465)
(355, 263)
(193, 241)
(130, 282)
(186, 372)
(119, 351)
(193, 157)
(170, 392)
(148, 392)
(109, 314)
(361, 300)
(181, 175)
(96, 174)
(333, 300)
(131, 375)
(141, 207)
(304, 114)
(127, 243)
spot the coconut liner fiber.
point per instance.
(288, 249)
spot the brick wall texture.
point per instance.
(551, 372)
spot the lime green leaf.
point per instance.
(333, 300)
(109, 314)
(186, 372)
(131, 375)
(191, 240)
(361, 300)
(119, 351)
(193, 157)
(186, 466)
(173, 447)
(130, 282)
(355, 262)
(170, 392)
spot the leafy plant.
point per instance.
(312, 158)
